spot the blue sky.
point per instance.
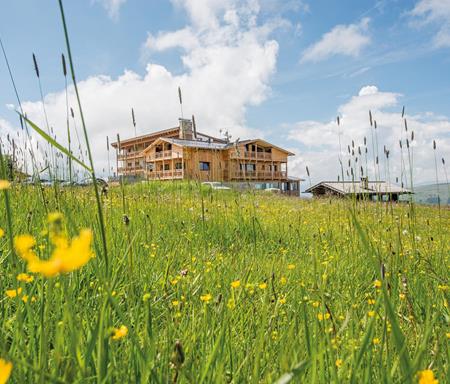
(282, 70)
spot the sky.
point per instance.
(280, 70)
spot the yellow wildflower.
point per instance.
(376, 341)
(4, 184)
(377, 284)
(315, 304)
(5, 370)
(282, 300)
(65, 258)
(401, 296)
(23, 245)
(236, 284)
(262, 285)
(2, 233)
(13, 292)
(339, 363)
(291, 266)
(321, 316)
(283, 280)
(427, 377)
(371, 313)
(26, 278)
(371, 301)
(120, 332)
(175, 303)
(206, 298)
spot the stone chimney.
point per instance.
(186, 132)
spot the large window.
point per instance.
(204, 166)
(166, 167)
(248, 167)
(178, 166)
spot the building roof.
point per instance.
(358, 187)
(243, 142)
(143, 138)
(195, 143)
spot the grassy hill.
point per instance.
(429, 194)
(217, 286)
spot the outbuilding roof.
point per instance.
(359, 187)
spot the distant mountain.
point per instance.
(429, 194)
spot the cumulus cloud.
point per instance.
(112, 7)
(320, 147)
(228, 59)
(346, 40)
(436, 12)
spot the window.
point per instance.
(204, 166)
(178, 166)
(248, 167)
(166, 167)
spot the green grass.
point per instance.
(294, 259)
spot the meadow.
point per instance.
(203, 286)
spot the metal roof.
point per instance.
(359, 187)
(195, 143)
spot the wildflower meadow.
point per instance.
(220, 286)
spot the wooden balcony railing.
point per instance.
(129, 155)
(130, 170)
(164, 175)
(263, 175)
(251, 155)
(164, 155)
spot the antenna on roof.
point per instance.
(134, 121)
(181, 101)
(194, 127)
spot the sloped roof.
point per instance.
(358, 187)
(148, 136)
(264, 142)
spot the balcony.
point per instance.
(129, 155)
(251, 155)
(130, 170)
(162, 155)
(259, 175)
(165, 175)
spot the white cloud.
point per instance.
(320, 140)
(228, 60)
(346, 40)
(112, 7)
(435, 12)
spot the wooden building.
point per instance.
(184, 153)
(364, 189)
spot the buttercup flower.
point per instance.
(5, 370)
(236, 284)
(206, 298)
(427, 377)
(26, 278)
(13, 292)
(66, 257)
(4, 184)
(120, 332)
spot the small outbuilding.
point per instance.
(364, 189)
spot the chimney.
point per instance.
(365, 182)
(186, 132)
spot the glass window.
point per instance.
(178, 166)
(204, 166)
(166, 167)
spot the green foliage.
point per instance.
(306, 308)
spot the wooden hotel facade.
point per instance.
(184, 153)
